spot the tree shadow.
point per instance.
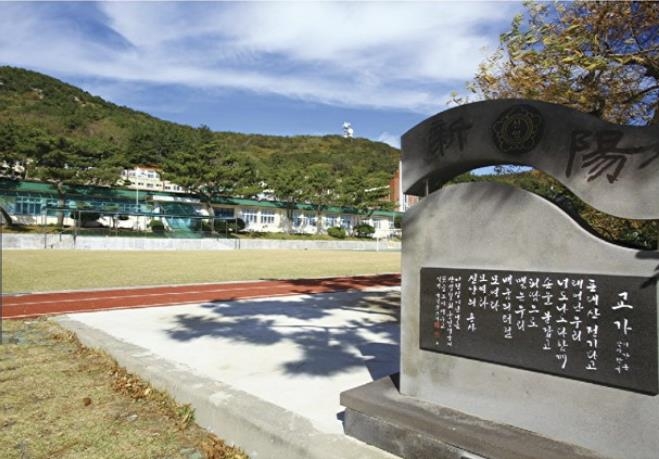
(339, 284)
(331, 332)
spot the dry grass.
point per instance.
(47, 270)
(61, 400)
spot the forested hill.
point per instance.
(52, 122)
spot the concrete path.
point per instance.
(265, 374)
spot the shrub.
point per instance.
(364, 230)
(157, 226)
(86, 213)
(234, 225)
(87, 217)
(257, 234)
(337, 232)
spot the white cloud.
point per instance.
(390, 55)
(390, 139)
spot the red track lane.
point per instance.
(37, 304)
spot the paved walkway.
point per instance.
(263, 373)
(36, 304)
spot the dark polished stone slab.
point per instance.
(596, 328)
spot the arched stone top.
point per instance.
(613, 168)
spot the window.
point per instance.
(332, 220)
(298, 219)
(250, 216)
(301, 219)
(346, 223)
(311, 219)
(28, 206)
(267, 217)
(381, 223)
(223, 212)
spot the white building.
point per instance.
(148, 179)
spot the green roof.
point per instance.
(48, 190)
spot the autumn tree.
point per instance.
(598, 57)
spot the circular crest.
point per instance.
(518, 130)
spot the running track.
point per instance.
(38, 304)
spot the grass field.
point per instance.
(48, 270)
(62, 400)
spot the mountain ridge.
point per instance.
(34, 105)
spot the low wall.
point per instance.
(67, 241)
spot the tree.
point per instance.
(366, 191)
(63, 162)
(211, 170)
(598, 57)
(155, 143)
(54, 162)
(318, 187)
(12, 158)
(286, 184)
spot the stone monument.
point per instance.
(523, 335)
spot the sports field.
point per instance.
(48, 270)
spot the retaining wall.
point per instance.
(67, 241)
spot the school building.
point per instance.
(37, 203)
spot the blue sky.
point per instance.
(270, 68)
